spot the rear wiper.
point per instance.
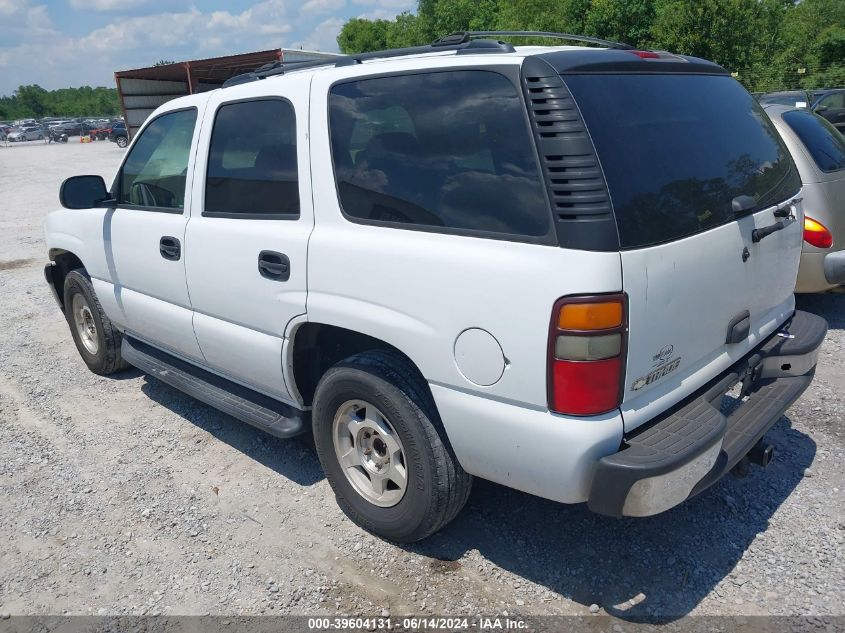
(759, 234)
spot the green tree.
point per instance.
(35, 101)
(405, 30)
(360, 35)
(567, 16)
(734, 33)
(769, 44)
(626, 21)
(32, 99)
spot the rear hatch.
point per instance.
(693, 166)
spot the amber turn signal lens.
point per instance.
(590, 316)
(816, 233)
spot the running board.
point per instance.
(263, 412)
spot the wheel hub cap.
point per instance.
(370, 453)
(85, 324)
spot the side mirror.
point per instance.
(820, 108)
(84, 192)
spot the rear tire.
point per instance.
(96, 338)
(383, 385)
(122, 141)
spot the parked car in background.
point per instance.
(819, 152)
(831, 105)
(119, 134)
(792, 98)
(27, 133)
(74, 128)
(99, 132)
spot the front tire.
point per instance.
(384, 450)
(96, 338)
(122, 141)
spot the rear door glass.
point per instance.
(824, 142)
(677, 149)
(252, 167)
(451, 151)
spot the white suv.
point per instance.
(542, 266)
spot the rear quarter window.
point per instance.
(448, 151)
(677, 149)
(824, 142)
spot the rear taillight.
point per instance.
(587, 347)
(816, 233)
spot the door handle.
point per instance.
(170, 248)
(273, 265)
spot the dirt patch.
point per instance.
(444, 566)
(15, 263)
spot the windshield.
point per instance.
(677, 150)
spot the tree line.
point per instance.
(36, 102)
(768, 44)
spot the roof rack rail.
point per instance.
(435, 47)
(460, 42)
(463, 44)
(466, 36)
(277, 68)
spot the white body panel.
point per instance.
(535, 451)
(240, 316)
(419, 290)
(150, 291)
(685, 293)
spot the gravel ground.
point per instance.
(122, 496)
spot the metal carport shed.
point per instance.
(142, 90)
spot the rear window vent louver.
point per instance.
(576, 185)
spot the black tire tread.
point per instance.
(111, 361)
(452, 485)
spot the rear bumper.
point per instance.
(692, 446)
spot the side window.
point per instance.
(155, 170)
(834, 101)
(824, 142)
(252, 169)
(450, 150)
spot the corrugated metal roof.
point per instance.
(211, 69)
(142, 90)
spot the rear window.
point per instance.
(450, 151)
(677, 149)
(824, 142)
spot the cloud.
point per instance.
(11, 7)
(378, 14)
(106, 5)
(192, 30)
(38, 19)
(324, 36)
(33, 51)
(41, 41)
(321, 6)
